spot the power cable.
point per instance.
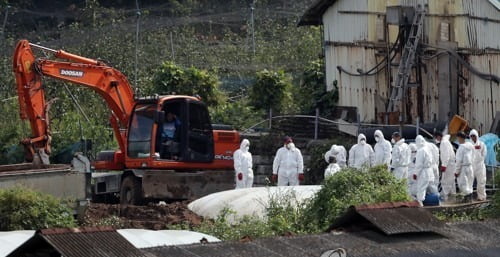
(454, 54)
(383, 61)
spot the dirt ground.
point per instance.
(152, 216)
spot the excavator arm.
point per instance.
(108, 82)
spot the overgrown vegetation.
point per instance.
(209, 41)
(285, 215)
(24, 209)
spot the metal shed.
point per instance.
(357, 37)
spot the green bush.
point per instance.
(272, 89)
(352, 187)
(238, 114)
(494, 209)
(170, 78)
(313, 84)
(24, 209)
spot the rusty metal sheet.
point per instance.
(90, 242)
(402, 220)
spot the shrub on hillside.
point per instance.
(24, 209)
(352, 187)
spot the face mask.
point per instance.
(377, 138)
(362, 142)
(393, 141)
(437, 141)
(247, 148)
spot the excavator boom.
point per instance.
(108, 82)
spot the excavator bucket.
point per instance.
(162, 184)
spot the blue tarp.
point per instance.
(490, 140)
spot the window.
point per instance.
(139, 137)
(200, 135)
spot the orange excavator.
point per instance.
(168, 148)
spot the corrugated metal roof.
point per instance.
(143, 238)
(90, 242)
(10, 240)
(469, 242)
(312, 16)
(391, 218)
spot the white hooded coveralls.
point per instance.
(331, 170)
(401, 157)
(434, 150)
(423, 171)
(447, 156)
(243, 164)
(478, 166)
(382, 150)
(464, 168)
(288, 164)
(360, 154)
(339, 153)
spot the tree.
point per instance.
(172, 79)
(313, 84)
(271, 90)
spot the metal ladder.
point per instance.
(407, 60)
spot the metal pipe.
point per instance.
(43, 48)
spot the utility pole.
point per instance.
(252, 8)
(138, 19)
(5, 20)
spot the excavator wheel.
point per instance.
(131, 191)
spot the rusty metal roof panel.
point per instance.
(390, 218)
(90, 242)
(402, 220)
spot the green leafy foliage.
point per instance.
(24, 209)
(352, 187)
(494, 210)
(170, 78)
(238, 114)
(271, 90)
(313, 85)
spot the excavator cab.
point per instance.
(184, 132)
(174, 128)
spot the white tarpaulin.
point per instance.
(143, 238)
(249, 201)
(11, 240)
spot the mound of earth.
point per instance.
(152, 216)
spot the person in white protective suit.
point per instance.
(464, 171)
(423, 174)
(361, 154)
(447, 155)
(340, 154)
(288, 165)
(411, 168)
(478, 166)
(401, 157)
(243, 165)
(383, 149)
(332, 168)
(434, 150)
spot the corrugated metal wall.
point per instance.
(349, 21)
(476, 95)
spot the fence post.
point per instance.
(418, 126)
(316, 120)
(270, 118)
